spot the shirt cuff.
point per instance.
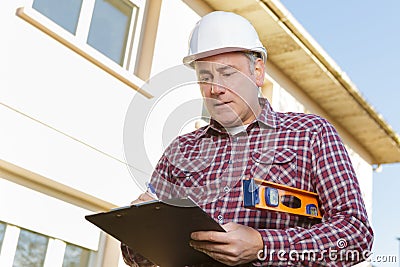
(134, 259)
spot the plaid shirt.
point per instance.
(298, 150)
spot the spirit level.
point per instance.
(260, 194)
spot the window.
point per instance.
(2, 230)
(109, 26)
(63, 12)
(34, 249)
(75, 256)
(31, 249)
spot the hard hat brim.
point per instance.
(189, 60)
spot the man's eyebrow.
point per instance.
(226, 67)
(204, 71)
(220, 69)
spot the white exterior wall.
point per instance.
(65, 96)
(175, 25)
(364, 174)
(62, 118)
(284, 102)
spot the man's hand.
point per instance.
(143, 198)
(240, 244)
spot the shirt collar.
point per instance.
(267, 117)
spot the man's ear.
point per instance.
(259, 72)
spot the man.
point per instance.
(247, 139)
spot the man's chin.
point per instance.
(229, 123)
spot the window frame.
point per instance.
(31, 234)
(4, 232)
(79, 39)
(55, 31)
(55, 248)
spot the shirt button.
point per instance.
(226, 189)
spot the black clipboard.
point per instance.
(159, 230)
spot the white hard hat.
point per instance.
(221, 32)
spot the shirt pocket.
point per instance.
(182, 177)
(184, 183)
(275, 165)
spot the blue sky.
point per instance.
(363, 37)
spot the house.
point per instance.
(71, 74)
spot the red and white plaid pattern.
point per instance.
(298, 150)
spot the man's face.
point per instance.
(230, 88)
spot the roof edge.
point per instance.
(287, 19)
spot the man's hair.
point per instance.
(252, 56)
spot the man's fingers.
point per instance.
(142, 198)
(220, 252)
(210, 236)
(239, 244)
(230, 226)
(209, 247)
(146, 196)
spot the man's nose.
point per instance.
(217, 88)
